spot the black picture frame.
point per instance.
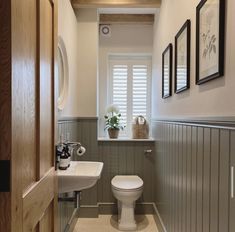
(219, 50)
(186, 60)
(168, 71)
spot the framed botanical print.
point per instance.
(182, 58)
(167, 72)
(210, 40)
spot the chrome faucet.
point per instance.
(69, 145)
(66, 146)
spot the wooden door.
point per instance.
(31, 203)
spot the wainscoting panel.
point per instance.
(126, 158)
(122, 157)
(192, 169)
(232, 199)
(187, 175)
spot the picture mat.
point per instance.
(182, 60)
(209, 26)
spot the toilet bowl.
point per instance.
(127, 189)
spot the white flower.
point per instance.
(112, 109)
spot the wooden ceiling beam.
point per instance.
(116, 3)
(126, 18)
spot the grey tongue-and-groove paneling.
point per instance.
(192, 169)
(187, 176)
(126, 158)
(232, 201)
(120, 158)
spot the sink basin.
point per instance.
(79, 176)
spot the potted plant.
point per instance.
(112, 121)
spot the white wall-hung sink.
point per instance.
(79, 176)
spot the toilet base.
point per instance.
(126, 216)
(127, 227)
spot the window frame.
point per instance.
(130, 60)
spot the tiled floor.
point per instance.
(108, 223)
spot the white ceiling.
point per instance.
(128, 10)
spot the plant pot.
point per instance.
(113, 133)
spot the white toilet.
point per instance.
(127, 189)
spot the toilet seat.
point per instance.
(127, 183)
(127, 190)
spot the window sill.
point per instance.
(124, 139)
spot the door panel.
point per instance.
(46, 90)
(24, 54)
(46, 223)
(25, 75)
(37, 200)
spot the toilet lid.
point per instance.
(127, 182)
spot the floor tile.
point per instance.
(108, 223)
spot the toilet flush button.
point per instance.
(148, 151)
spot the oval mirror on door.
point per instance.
(63, 75)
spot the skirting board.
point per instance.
(88, 211)
(93, 211)
(158, 219)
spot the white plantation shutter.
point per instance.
(119, 89)
(130, 87)
(140, 90)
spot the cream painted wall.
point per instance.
(124, 39)
(80, 35)
(87, 20)
(212, 99)
(67, 29)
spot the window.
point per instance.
(129, 87)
